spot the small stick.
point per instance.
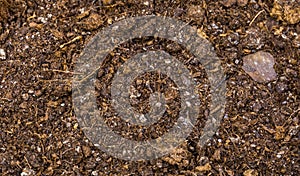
(62, 71)
(5, 99)
(27, 162)
(72, 41)
(256, 17)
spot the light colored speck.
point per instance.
(188, 104)
(81, 10)
(186, 93)
(39, 149)
(2, 54)
(49, 15)
(226, 116)
(95, 173)
(42, 19)
(24, 174)
(109, 20)
(143, 119)
(27, 171)
(167, 61)
(30, 91)
(77, 149)
(158, 104)
(146, 3)
(234, 140)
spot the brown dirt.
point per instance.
(39, 134)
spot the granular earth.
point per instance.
(40, 41)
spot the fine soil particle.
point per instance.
(41, 40)
(196, 13)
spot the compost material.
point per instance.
(41, 40)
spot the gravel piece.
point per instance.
(260, 66)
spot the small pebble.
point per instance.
(259, 66)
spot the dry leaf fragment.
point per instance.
(250, 172)
(279, 132)
(92, 22)
(217, 155)
(23, 105)
(86, 151)
(107, 2)
(35, 25)
(204, 168)
(286, 11)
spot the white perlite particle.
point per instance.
(2, 54)
(95, 173)
(27, 172)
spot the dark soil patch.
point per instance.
(39, 133)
